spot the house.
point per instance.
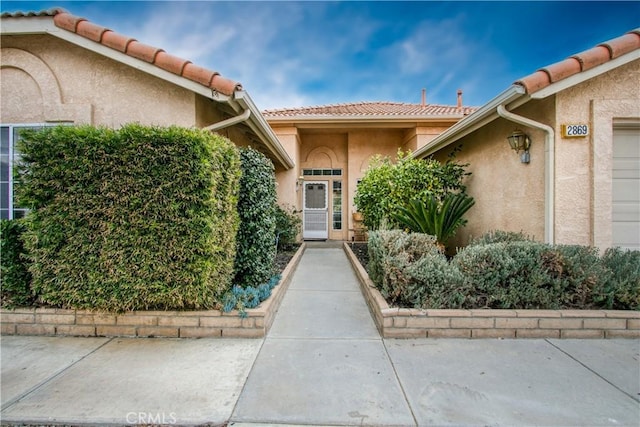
(59, 68)
(579, 182)
(332, 145)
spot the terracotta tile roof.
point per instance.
(373, 109)
(580, 62)
(130, 46)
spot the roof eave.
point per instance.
(380, 118)
(45, 25)
(583, 76)
(261, 128)
(485, 114)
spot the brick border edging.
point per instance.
(490, 323)
(177, 324)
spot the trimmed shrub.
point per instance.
(288, 227)
(622, 290)
(131, 219)
(386, 187)
(512, 275)
(15, 279)
(256, 238)
(410, 270)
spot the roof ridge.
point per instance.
(580, 62)
(363, 103)
(132, 47)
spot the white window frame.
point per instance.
(12, 151)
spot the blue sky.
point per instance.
(291, 54)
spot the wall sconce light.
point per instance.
(519, 141)
(299, 182)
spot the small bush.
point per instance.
(130, 219)
(256, 240)
(391, 254)
(288, 227)
(622, 290)
(241, 298)
(15, 279)
(435, 218)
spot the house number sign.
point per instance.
(575, 130)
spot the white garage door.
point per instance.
(626, 187)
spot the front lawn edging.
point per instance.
(176, 324)
(491, 323)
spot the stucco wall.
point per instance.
(583, 165)
(288, 190)
(48, 79)
(509, 195)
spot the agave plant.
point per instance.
(438, 219)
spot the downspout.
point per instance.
(549, 168)
(229, 122)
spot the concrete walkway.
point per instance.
(323, 363)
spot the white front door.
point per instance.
(316, 210)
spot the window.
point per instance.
(9, 158)
(322, 172)
(337, 205)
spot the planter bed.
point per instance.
(182, 324)
(489, 323)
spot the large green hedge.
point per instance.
(135, 218)
(256, 207)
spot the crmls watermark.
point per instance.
(151, 418)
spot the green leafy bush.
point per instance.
(622, 290)
(386, 187)
(256, 207)
(15, 279)
(435, 218)
(288, 227)
(130, 219)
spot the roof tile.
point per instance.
(224, 85)
(142, 51)
(198, 74)
(562, 69)
(90, 30)
(534, 82)
(171, 63)
(373, 109)
(66, 21)
(583, 61)
(593, 57)
(116, 41)
(623, 44)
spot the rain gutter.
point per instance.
(549, 167)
